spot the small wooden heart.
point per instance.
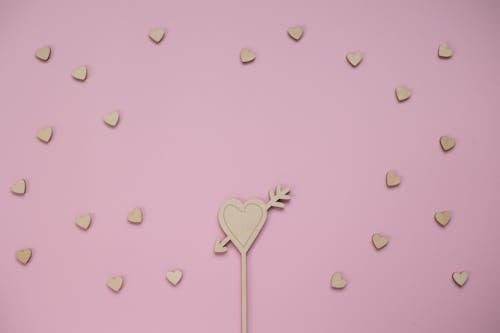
(354, 58)
(43, 53)
(444, 51)
(23, 256)
(44, 134)
(80, 73)
(379, 241)
(247, 56)
(19, 187)
(115, 283)
(242, 222)
(157, 35)
(402, 94)
(460, 278)
(447, 143)
(84, 221)
(337, 281)
(111, 119)
(296, 32)
(135, 216)
(392, 179)
(174, 277)
(443, 218)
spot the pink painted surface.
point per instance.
(198, 127)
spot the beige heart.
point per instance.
(43, 53)
(115, 283)
(111, 119)
(447, 143)
(402, 94)
(83, 221)
(174, 277)
(379, 241)
(135, 216)
(444, 51)
(460, 278)
(354, 58)
(23, 256)
(44, 134)
(80, 73)
(19, 187)
(247, 56)
(296, 32)
(392, 179)
(157, 35)
(242, 222)
(337, 281)
(443, 218)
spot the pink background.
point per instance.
(197, 128)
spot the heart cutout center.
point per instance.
(242, 222)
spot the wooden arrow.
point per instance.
(242, 223)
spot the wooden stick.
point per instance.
(243, 293)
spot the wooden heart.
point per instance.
(157, 35)
(460, 278)
(354, 58)
(19, 187)
(44, 134)
(247, 56)
(337, 281)
(445, 51)
(80, 73)
(23, 256)
(443, 218)
(379, 241)
(43, 53)
(84, 221)
(402, 94)
(296, 32)
(242, 222)
(447, 143)
(115, 283)
(392, 179)
(174, 277)
(135, 216)
(111, 119)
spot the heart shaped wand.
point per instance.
(242, 223)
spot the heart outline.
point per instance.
(241, 242)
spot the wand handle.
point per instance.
(243, 293)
